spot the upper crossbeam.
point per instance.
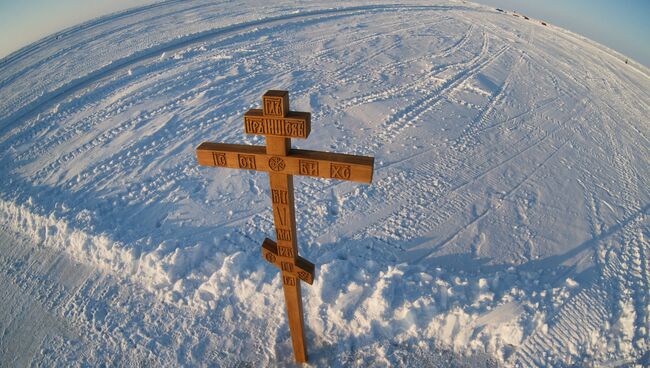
(275, 118)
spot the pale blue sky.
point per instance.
(25, 21)
(622, 25)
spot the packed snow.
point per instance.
(507, 222)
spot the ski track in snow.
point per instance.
(507, 223)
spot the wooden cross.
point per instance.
(279, 125)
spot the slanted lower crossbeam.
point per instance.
(303, 269)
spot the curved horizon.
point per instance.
(616, 26)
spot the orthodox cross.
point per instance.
(279, 125)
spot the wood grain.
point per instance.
(325, 165)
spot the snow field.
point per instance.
(508, 215)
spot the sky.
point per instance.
(25, 21)
(621, 25)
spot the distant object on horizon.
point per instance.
(517, 15)
(625, 25)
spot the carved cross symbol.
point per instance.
(279, 125)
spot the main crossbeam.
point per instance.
(297, 162)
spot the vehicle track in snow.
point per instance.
(455, 167)
(118, 139)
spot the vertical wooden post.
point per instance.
(284, 218)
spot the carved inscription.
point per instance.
(297, 266)
(272, 106)
(274, 126)
(303, 276)
(219, 158)
(282, 213)
(286, 266)
(277, 164)
(289, 280)
(285, 251)
(279, 196)
(270, 257)
(247, 162)
(284, 234)
(307, 167)
(340, 171)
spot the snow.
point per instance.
(507, 222)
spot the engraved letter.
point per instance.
(300, 130)
(303, 276)
(286, 266)
(247, 162)
(284, 234)
(219, 158)
(340, 171)
(272, 106)
(279, 196)
(257, 126)
(281, 214)
(307, 167)
(270, 257)
(285, 251)
(289, 280)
